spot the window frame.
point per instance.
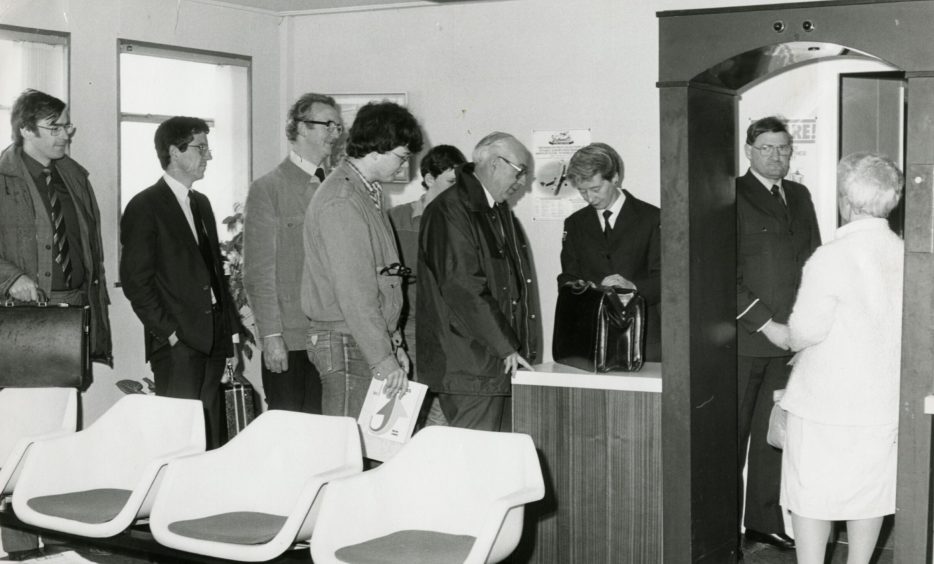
(48, 37)
(181, 54)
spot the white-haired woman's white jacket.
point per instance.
(846, 323)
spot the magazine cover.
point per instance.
(387, 423)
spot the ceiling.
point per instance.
(300, 6)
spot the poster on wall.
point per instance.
(350, 104)
(804, 137)
(554, 198)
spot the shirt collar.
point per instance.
(615, 208)
(865, 224)
(766, 182)
(489, 197)
(303, 163)
(373, 188)
(34, 167)
(179, 189)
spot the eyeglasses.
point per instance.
(396, 269)
(58, 128)
(402, 158)
(769, 150)
(203, 149)
(521, 170)
(332, 126)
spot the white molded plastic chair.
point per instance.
(253, 498)
(449, 495)
(28, 415)
(96, 482)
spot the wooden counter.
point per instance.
(599, 438)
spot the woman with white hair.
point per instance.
(840, 451)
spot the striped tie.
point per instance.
(59, 234)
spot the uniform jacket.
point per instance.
(164, 275)
(26, 245)
(773, 244)
(633, 250)
(847, 323)
(348, 242)
(274, 252)
(477, 300)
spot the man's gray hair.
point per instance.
(871, 183)
(484, 149)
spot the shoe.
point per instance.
(780, 541)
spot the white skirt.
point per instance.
(839, 472)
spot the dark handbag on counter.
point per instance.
(238, 402)
(44, 346)
(599, 329)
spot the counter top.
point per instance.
(649, 379)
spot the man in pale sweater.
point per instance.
(352, 283)
(273, 252)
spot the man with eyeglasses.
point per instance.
(50, 229)
(476, 299)
(172, 273)
(274, 254)
(776, 233)
(352, 283)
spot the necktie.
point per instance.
(606, 223)
(59, 233)
(205, 246)
(319, 172)
(777, 194)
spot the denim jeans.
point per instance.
(345, 374)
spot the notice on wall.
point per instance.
(554, 199)
(805, 161)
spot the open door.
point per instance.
(872, 118)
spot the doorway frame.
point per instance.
(698, 257)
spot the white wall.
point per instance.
(95, 27)
(512, 65)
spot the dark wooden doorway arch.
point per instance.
(698, 148)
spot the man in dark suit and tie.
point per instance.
(172, 273)
(615, 240)
(776, 233)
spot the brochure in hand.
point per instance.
(386, 423)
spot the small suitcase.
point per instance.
(238, 402)
(44, 345)
(599, 329)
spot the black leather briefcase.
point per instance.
(599, 329)
(44, 346)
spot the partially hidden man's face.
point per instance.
(599, 192)
(765, 154)
(442, 182)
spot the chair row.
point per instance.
(449, 495)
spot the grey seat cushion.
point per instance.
(236, 527)
(409, 547)
(90, 506)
